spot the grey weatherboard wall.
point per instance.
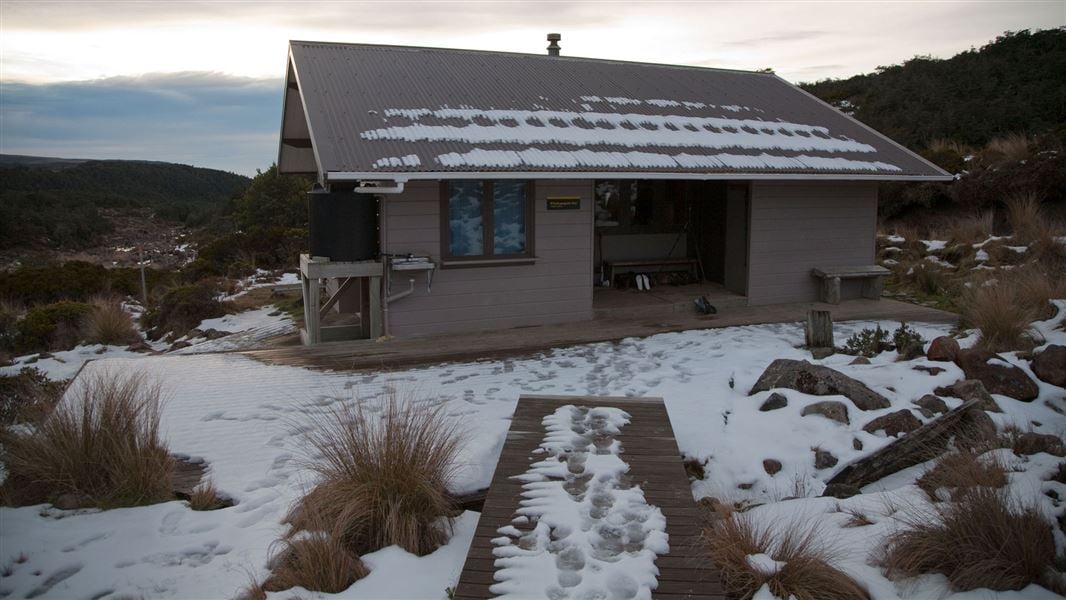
(556, 288)
(796, 226)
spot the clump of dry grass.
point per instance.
(100, 446)
(1026, 218)
(1036, 288)
(986, 539)
(109, 323)
(807, 572)
(316, 560)
(996, 311)
(961, 472)
(1010, 148)
(970, 230)
(205, 496)
(383, 477)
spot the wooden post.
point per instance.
(144, 285)
(819, 329)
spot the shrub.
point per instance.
(1036, 288)
(109, 323)
(10, 313)
(27, 396)
(868, 342)
(100, 446)
(996, 311)
(183, 308)
(1011, 148)
(960, 472)
(971, 230)
(986, 539)
(383, 478)
(75, 280)
(908, 342)
(205, 496)
(51, 327)
(807, 573)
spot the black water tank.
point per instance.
(343, 225)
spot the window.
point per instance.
(486, 220)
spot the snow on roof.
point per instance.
(378, 110)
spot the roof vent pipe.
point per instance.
(553, 44)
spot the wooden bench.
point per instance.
(872, 281)
(662, 265)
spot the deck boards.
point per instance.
(649, 447)
(528, 341)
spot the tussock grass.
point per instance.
(806, 575)
(101, 445)
(960, 473)
(1026, 218)
(997, 312)
(383, 476)
(205, 496)
(986, 539)
(1036, 289)
(109, 323)
(970, 230)
(316, 560)
(1010, 148)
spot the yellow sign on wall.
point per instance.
(564, 202)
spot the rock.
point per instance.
(71, 501)
(745, 486)
(214, 334)
(856, 443)
(44, 355)
(840, 490)
(824, 459)
(970, 389)
(894, 423)
(194, 333)
(830, 409)
(818, 380)
(820, 353)
(1050, 365)
(930, 370)
(975, 430)
(930, 405)
(943, 349)
(999, 377)
(179, 345)
(139, 346)
(860, 360)
(1030, 443)
(773, 402)
(771, 466)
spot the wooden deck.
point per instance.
(528, 341)
(648, 446)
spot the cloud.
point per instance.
(206, 119)
(785, 36)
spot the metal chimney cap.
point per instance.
(553, 46)
(555, 37)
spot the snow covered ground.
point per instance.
(240, 416)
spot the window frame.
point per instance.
(488, 204)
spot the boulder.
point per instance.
(820, 353)
(943, 349)
(998, 377)
(856, 443)
(214, 334)
(824, 459)
(830, 409)
(930, 405)
(771, 466)
(178, 345)
(818, 380)
(928, 369)
(1050, 365)
(1031, 442)
(71, 501)
(894, 423)
(840, 490)
(193, 334)
(139, 346)
(860, 360)
(773, 402)
(970, 389)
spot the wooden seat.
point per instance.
(662, 265)
(872, 284)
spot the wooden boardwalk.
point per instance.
(528, 341)
(649, 448)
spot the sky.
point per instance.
(201, 82)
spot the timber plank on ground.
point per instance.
(686, 572)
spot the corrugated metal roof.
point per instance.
(403, 111)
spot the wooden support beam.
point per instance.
(348, 281)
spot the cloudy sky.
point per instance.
(200, 82)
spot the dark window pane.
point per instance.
(509, 217)
(465, 230)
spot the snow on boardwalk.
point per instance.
(589, 500)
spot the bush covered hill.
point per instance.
(1014, 84)
(57, 202)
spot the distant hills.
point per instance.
(55, 202)
(1015, 84)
